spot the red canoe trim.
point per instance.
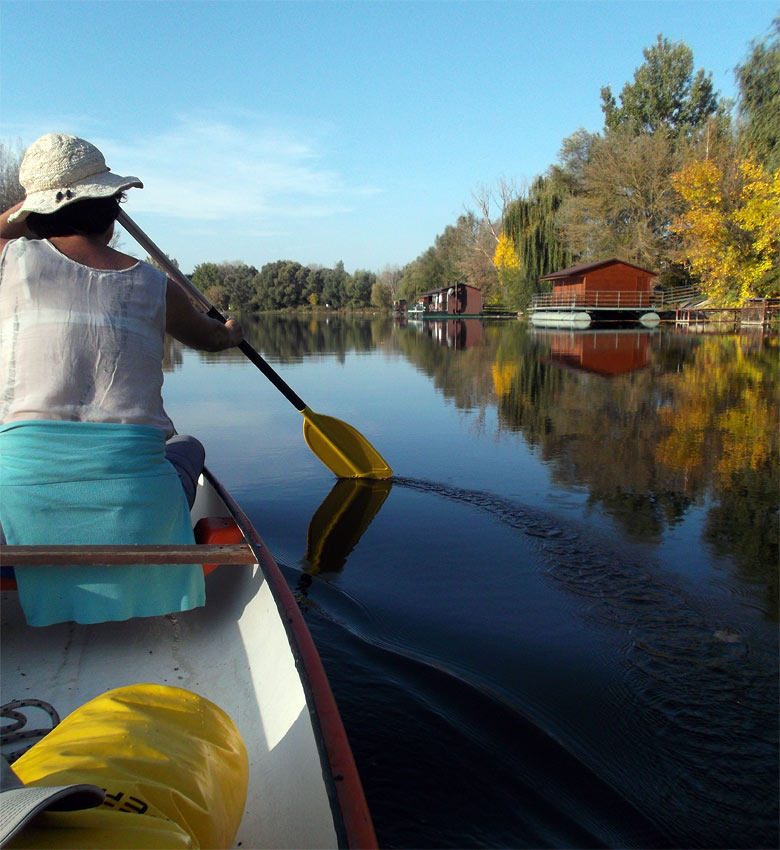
(344, 778)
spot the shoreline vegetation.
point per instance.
(680, 181)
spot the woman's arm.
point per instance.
(13, 230)
(185, 323)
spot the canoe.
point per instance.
(248, 650)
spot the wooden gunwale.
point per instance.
(352, 820)
(104, 556)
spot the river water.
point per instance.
(557, 625)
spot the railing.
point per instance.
(613, 299)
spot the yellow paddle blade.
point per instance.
(344, 450)
(338, 524)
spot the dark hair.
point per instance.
(92, 217)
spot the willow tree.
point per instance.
(531, 223)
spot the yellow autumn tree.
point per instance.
(509, 267)
(505, 256)
(730, 228)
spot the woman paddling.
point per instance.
(83, 453)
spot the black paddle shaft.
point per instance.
(176, 275)
(284, 388)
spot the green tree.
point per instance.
(334, 290)
(759, 99)
(665, 94)
(626, 202)
(238, 279)
(209, 279)
(381, 295)
(315, 283)
(270, 284)
(423, 274)
(358, 288)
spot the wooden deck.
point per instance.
(679, 305)
(613, 300)
(754, 313)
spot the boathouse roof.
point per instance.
(573, 271)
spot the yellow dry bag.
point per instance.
(173, 764)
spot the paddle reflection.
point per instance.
(338, 524)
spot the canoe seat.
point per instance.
(216, 529)
(216, 532)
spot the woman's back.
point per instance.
(80, 343)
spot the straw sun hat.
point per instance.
(59, 169)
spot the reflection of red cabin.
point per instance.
(455, 333)
(604, 352)
(455, 300)
(609, 283)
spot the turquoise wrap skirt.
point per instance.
(94, 483)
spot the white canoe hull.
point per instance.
(249, 652)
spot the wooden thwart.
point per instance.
(80, 556)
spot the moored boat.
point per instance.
(247, 650)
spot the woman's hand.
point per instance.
(235, 331)
(197, 330)
(13, 230)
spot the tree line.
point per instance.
(286, 284)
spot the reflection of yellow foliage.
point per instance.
(683, 448)
(728, 394)
(503, 377)
(730, 227)
(505, 256)
(740, 428)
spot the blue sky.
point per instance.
(326, 131)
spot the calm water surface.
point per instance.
(557, 625)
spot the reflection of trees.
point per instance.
(595, 432)
(699, 422)
(722, 431)
(172, 354)
(291, 338)
(461, 376)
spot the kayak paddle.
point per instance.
(342, 448)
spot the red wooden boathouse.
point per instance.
(459, 299)
(608, 283)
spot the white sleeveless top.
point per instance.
(80, 344)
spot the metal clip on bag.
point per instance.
(173, 764)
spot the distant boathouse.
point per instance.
(458, 299)
(609, 289)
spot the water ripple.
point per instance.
(703, 690)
